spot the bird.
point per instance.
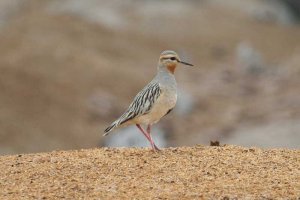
(155, 100)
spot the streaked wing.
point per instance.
(143, 102)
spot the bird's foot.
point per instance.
(155, 148)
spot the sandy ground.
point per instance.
(199, 172)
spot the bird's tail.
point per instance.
(111, 127)
(124, 118)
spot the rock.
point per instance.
(249, 59)
(274, 11)
(106, 13)
(8, 8)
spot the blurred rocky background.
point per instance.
(68, 68)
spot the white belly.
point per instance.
(164, 103)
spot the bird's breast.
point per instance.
(168, 98)
(163, 104)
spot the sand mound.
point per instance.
(174, 173)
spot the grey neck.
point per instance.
(164, 76)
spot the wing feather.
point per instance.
(142, 103)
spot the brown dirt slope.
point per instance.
(174, 173)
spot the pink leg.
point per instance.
(152, 142)
(154, 147)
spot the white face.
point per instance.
(169, 59)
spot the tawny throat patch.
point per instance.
(171, 68)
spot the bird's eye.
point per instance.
(172, 58)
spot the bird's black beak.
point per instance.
(185, 63)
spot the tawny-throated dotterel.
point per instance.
(155, 100)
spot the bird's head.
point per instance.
(170, 59)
